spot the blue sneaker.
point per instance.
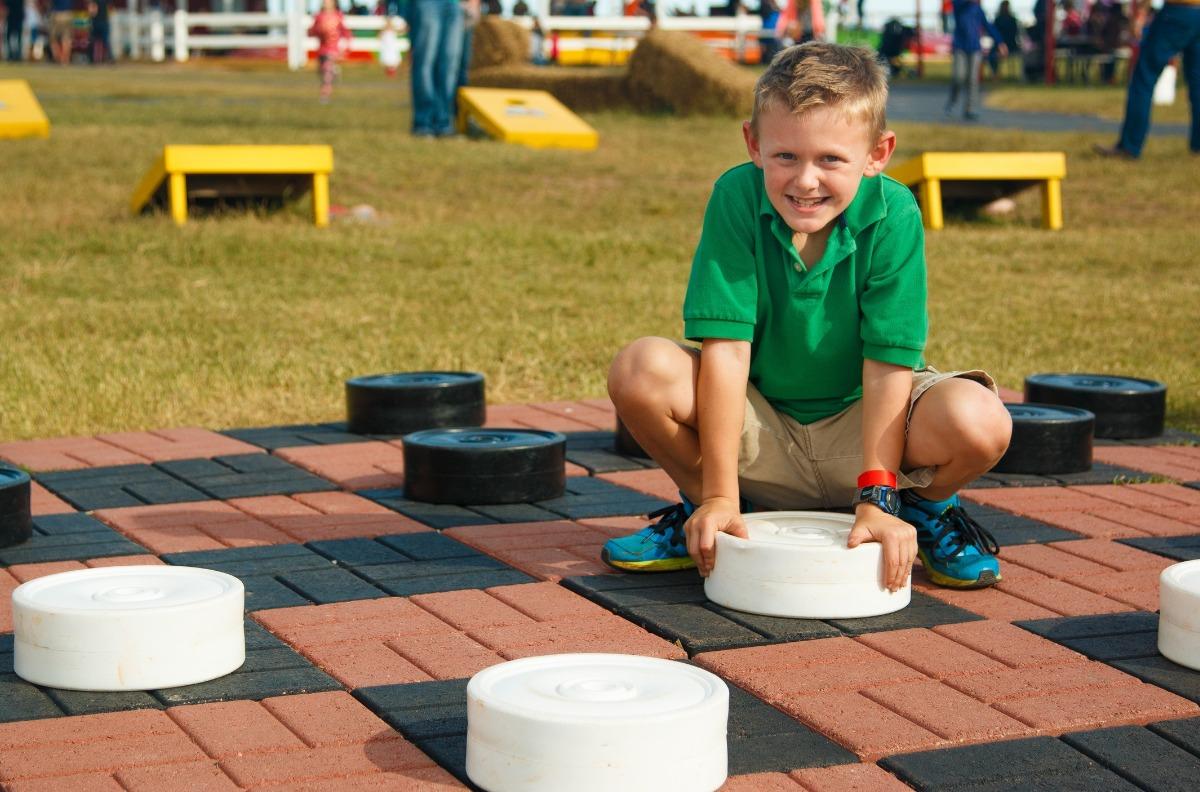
(659, 547)
(957, 551)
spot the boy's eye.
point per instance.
(831, 158)
(783, 155)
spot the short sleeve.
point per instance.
(722, 291)
(893, 302)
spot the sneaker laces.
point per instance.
(960, 531)
(670, 523)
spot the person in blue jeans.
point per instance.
(969, 24)
(435, 34)
(1175, 29)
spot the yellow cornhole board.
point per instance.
(209, 174)
(20, 114)
(980, 177)
(531, 118)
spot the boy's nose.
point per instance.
(808, 177)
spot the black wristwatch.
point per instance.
(883, 497)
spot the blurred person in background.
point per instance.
(1174, 29)
(14, 29)
(332, 35)
(970, 23)
(1010, 36)
(62, 30)
(99, 48)
(435, 34)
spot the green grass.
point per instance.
(530, 266)
(1105, 101)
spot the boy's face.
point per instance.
(812, 163)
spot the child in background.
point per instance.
(389, 47)
(329, 28)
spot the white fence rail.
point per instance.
(154, 35)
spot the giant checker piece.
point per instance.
(531, 118)
(191, 174)
(20, 114)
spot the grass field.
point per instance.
(530, 266)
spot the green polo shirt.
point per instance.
(810, 325)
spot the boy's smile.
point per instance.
(813, 162)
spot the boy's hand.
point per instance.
(899, 540)
(713, 516)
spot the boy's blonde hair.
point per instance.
(817, 74)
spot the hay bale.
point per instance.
(681, 71)
(499, 42)
(582, 90)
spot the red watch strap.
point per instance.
(871, 478)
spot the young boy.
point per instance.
(807, 293)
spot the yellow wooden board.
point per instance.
(181, 173)
(531, 118)
(934, 171)
(20, 114)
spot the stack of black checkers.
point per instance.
(448, 456)
(16, 521)
(1053, 429)
(476, 466)
(626, 444)
(396, 404)
(1125, 408)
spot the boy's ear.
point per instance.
(878, 157)
(752, 143)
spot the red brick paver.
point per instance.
(1178, 462)
(352, 466)
(313, 516)
(839, 778)
(547, 550)
(653, 481)
(1103, 512)
(186, 443)
(122, 448)
(454, 634)
(42, 501)
(325, 740)
(916, 689)
(247, 522)
(67, 453)
(182, 527)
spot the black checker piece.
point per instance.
(69, 537)
(119, 486)
(245, 476)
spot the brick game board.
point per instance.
(367, 612)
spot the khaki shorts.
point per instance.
(784, 464)
(62, 27)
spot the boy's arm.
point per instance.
(886, 390)
(720, 407)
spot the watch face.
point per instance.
(886, 498)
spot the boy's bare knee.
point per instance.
(643, 369)
(984, 425)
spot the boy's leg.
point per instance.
(958, 428)
(652, 383)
